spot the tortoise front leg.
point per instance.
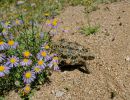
(83, 67)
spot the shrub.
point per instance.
(25, 56)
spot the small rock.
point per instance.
(107, 34)
(59, 93)
(120, 24)
(127, 58)
(113, 39)
(52, 92)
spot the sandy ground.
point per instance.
(110, 70)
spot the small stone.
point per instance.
(52, 92)
(107, 34)
(59, 93)
(127, 58)
(113, 39)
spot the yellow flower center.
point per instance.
(40, 62)
(28, 74)
(27, 89)
(37, 69)
(55, 63)
(11, 42)
(25, 60)
(46, 47)
(1, 42)
(2, 68)
(55, 21)
(55, 58)
(43, 53)
(17, 22)
(26, 53)
(12, 60)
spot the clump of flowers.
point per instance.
(25, 57)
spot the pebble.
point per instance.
(59, 93)
(127, 58)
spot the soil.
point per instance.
(109, 77)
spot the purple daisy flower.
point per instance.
(3, 45)
(55, 59)
(37, 69)
(45, 46)
(6, 24)
(29, 77)
(41, 63)
(50, 64)
(12, 61)
(56, 67)
(54, 63)
(4, 70)
(2, 57)
(17, 22)
(48, 58)
(27, 89)
(55, 23)
(42, 54)
(26, 62)
(12, 44)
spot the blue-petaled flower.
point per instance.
(12, 44)
(4, 70)
(54, 63)
(56, 59)
(26, 62)
(2, 57)
(55, 23)
(26, 89)
(41, 63)
(45, 46)
(6, 24)
(3, 45)
(18, 22)
(12, 61)
(43, 55)
(29, 77)
(37, 69)
(56, 67)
